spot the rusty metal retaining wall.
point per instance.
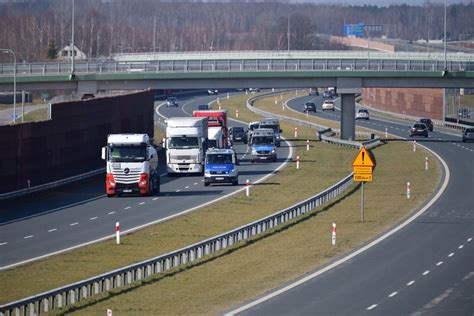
(35, 153)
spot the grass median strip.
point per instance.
(265, 199)
(259, 265)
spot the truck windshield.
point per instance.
(253, 126)
(274, 127)
(218, 158)
(183, 142)
(127, 153)
(262, 140)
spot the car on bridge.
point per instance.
(419, 129)
(212, 92)
(171, 101)
(328, 105)
(464, 113)
(428, 122)
(362, 114)
(309, 106)
(468, 135)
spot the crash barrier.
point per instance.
(82, 290)
(322, 131)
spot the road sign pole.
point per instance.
(362, 204)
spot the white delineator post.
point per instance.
(297, 162)
(307, 145)
(117, 232)
(281, 96)
(386, 132)
(426, 163)
(247, 187)
(408, 190)
(296, 132)
(109, 312)
(236, 113)
(414, 145)
(276, 100)
(227, 95)
(333, 234)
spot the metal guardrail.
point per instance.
(79, 291)
(322, 130)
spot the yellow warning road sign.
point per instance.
(362, 169)
(362, 177)
(363, 159)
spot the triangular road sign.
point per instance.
(363, 158)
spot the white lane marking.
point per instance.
(460, 247)
(127, 208)
(74, 224)
(195, 183)
(371, 307)
(439, 263)
(202, 180)
(393, 294)
(469, 239)
(154, 199)
(178, 190)
(3, 243)
(451, 254)
(52, 230)
(110, 213)
(410, 283)
(142, 203)
(29, 236)
(186, 187)
(426, 272)
(93, 218)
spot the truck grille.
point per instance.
(263, 152)
(131, 177)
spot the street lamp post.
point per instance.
(72, 40)
(10, 51)
(445, 18)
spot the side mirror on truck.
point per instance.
(104, 151)
(163, 144)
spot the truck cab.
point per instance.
(263, 145)
(274, 124)
(221, 167)
(131, 164)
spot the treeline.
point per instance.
(106, 27)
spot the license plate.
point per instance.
(219, 178)
(127, 191)
(263, 158)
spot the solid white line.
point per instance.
(371, 307)
(469, 239)
(29, 236)
(360, 250)
(410, 283)
(3, 243)
(52, 230)
(393, 294)
(142, 203)
(93, 218)
(127, 208)
(426, 272)
(110, 213)
(451, 254)
(460, 247)
(74, 224)
(439, 263)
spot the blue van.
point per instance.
(221, 167)
(262, 145)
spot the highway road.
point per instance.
(425, 268)
(79, 213)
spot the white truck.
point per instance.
(186, 145)
(215, 137)
(132, 165)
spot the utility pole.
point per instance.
(288, 32)
(72, 41)
(154, 33)
(445, 18)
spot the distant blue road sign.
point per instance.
(354, 29)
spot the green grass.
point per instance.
(251, 268)
(36, 115)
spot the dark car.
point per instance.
(468, 135)
(427, 122)
(327, 94)
(463, 112)
(202, 107)
(238, 134)
(171, 101)
(212, 92)
(309, 106)
(419, 129)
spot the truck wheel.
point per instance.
(275, 159)
(110, 195)
(235, 182)
(206, 184)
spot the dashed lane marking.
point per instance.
(469, 239)
(74, 224)
(195, 183)
(186, 187)
(3, 243)
(371, 307)
(52, 230)
(451, 254)
(439, 263)
(393, 294)
(142, 203)
(461, 246)
(110, 213)
(127, 208)
(410, 283)
(426, 272)
(154, 199)
(178, 190)
(29, 236)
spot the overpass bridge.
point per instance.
(349, 71)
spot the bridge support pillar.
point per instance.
(348, 116)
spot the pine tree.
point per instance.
(52, 50)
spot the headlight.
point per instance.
(273, 151)
(254, 151)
